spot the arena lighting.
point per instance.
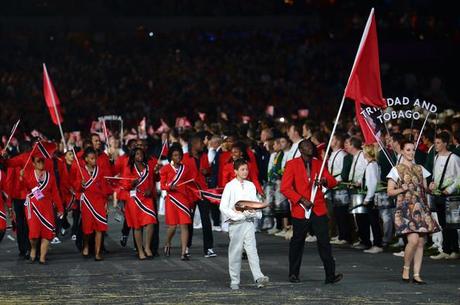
(282, 120)
(150, 34)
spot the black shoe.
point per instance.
(43, 262)
(294, 279)
(245, 256)
(27, 255)
(184, 258)
(156, 254)
(98, 259)
(167, 251)
(335, 279)
(123, 240)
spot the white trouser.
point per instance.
(242, 235)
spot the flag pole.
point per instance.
(12, 134)
(379, 143)
(55, 108)
(361, 43)
(78, 163)
(421, 130)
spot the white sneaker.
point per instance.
(441, 255)
(399, 254)
(374, 250)
(55, 241)
(74, 237)
(397, 244)
(338, 242)
(289, 234)
(262, 281)
(210, 253)
(217, 228)
(310, 239)
(454, 255)
(235, 286)
(334, 238)
(281, 233)
(273, 231)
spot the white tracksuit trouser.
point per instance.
(242, 235)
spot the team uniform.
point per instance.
(297, 183)
(180, 201)
(41, 200)
(139, 208)
(93, 200)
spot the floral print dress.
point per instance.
(412, 214)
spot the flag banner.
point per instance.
(51, 98)
(364, 85)
(368, 119)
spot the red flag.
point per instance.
(364, 84)
(371, 126)
(164, 149)
(51, 98)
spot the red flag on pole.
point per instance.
(364, 84)
(51, 98)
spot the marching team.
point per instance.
(380, 192)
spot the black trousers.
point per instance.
(215, 213)
(156, 232)
(319, 226)
(75, 220)
(342, 218)
(449, 236)
(204, 207)
(364, 231)
(22, 230)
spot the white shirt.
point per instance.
(235, 191)
(211, 154)
(452, 177)
(372, 177)
(358, 166)
(294, 151)
(335, 164)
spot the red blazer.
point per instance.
(200, 179)
(65, 184)
(3, 189)
(120, 164)
(50, 192)
(295, 185)
(15, 188)
(229, 174)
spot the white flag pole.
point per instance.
(361, 44)
(54, 107)
(421, 130)
(12, 134)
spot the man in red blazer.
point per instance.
(299, 178)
